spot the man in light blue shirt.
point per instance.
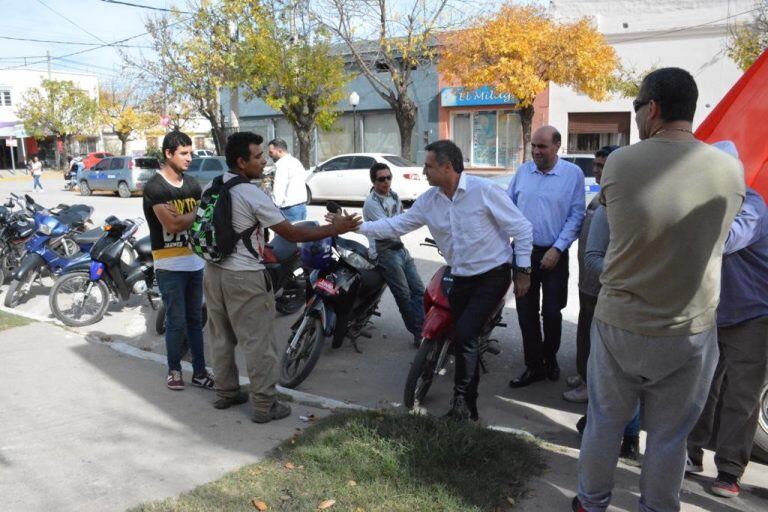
(550, 193)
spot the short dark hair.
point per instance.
(279, 144)
(605, 151)
(674, 90)
(173, 140)
(239, 146)
(447, 151)
(378, 166)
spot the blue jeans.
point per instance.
(36, 183)
(295, 213)
(400, 273)
(182, 294)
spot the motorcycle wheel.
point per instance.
(71, 306)
(760, 449)
(160, 318)
(422, 372)
(297, 364)
(19, 289)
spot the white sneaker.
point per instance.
(574, 381)
(577, 395)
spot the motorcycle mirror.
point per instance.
(29, 199)
(333, 207)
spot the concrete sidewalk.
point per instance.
(84, 427)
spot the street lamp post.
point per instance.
(354, 100)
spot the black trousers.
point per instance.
(473, 300)
(587, 305)
(552, 286)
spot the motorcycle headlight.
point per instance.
(44, 229)
(355, 259)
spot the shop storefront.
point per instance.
(484, 125)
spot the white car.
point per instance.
(202, 153)
(347, 177)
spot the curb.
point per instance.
(298, 397)
(292, 395)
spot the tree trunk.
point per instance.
(57, 152)
(405, 114)
(123, 144)
(526, 120)
(304, 135)
(219, 136)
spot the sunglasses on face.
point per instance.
(382, 179)
(638, 104)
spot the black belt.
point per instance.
(541, 248)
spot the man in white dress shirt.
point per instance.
(288, 189)
(472, 221)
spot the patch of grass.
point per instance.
(8, 321)
(372, 461)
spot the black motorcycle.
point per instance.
(119, 266)
(345, 295)
(16, 227)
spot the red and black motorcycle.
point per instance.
(436, 349)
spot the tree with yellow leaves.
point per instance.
(748, 40)
(119, 110)
(520, 50)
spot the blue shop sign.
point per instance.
(485, 95)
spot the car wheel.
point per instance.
(309, 196)
(123, 190)
(761, 435)
(85, 190)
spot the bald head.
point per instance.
(545, 143)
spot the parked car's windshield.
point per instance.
(195, 164)
(147, 163)
(399, 161)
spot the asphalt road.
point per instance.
(376, 376)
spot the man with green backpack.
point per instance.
(228, 234)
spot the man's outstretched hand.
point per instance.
(344, 222)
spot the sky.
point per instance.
(95, 22)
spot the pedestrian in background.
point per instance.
(37, 173)
(288, 188)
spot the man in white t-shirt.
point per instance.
(37, 173)
(288, 189)
(238, 292)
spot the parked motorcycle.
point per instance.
(346, 288)
(118, 265)
(16, 226)
(436, 347)
(60, 242)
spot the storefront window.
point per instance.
(488, 138)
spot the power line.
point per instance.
(129, 4)
(682, 29)
(112, 44)
(69, 20)
(78, 43)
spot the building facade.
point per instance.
(691, 34)
(15, 144)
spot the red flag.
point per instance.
(742, 117)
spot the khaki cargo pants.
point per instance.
(241, 311)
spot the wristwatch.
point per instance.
(524, 270)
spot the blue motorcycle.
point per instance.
(59, 245)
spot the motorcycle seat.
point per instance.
(89, 237)
(75, 215)
(281, 249)
(143, 248)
